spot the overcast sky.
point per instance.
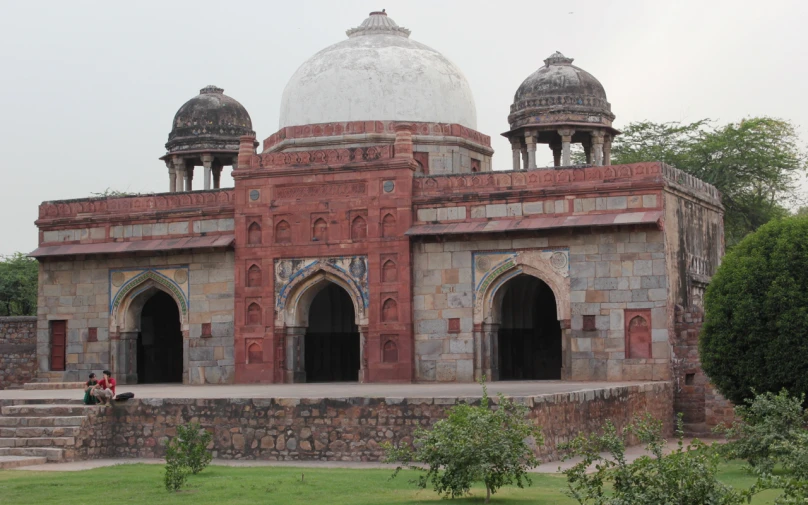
(88, 90)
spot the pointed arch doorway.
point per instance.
(331, 347)
(159, 342)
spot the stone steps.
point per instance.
(40, 422)
(49, 453)
(40, 431)
(7, 462)
(38, 442)
(49, 410)
(39, 386)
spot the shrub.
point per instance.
(756, 314)
(473, 444)
(186, 453)
(686, 476)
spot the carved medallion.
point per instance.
(483, 263)
(117, 279)
(284, 269)
(558, 260)
(358, 268)
(389, 186)
(254, 194)
(181, 276)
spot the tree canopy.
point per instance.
(756, 314)
(18, 285)
(756, 163)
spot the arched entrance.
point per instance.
(529, 336)
(332, 350)
(159, 342)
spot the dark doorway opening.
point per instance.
(530, 333)
(159, 344)
(332, 338)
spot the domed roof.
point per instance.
(379, 74)
(209, 121)
(560, 85)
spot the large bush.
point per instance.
(186, 453)
(755, 335)
(475, 443)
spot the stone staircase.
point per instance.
(33, 433)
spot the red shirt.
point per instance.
(108, 384)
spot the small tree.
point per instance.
(18, 285)
(474, 443)
(186, 453)
(756, 314)
(687, 476)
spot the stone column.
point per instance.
(189, 178)
(525, 159)
(179, 174)
(516, 146)
(207, 161)
(530, 140)
(217, 177)
(363, 357)
(587, 151)
(597, 148)
(172, 179)
(490, 343)
(403, 142)
(123, 356)
(607, 150)
(295, 354)
(566, 140)
(556, 154)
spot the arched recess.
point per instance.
(283, 233)
(388, 225)
(254, 276)
(488, 314)
(125, 326)
(359, 228)
(293, 316)
(254, 234)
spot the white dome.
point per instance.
(378, 74)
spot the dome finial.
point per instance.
(558, 59)
(210, 89)
(378, 23)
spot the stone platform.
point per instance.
(313, 422)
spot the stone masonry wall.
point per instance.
(352, 429)
(17, 350)
(78, 291)
(610, 272)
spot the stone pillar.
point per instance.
(179, 174)
(189, 178)
(566, 140)
(525, 159)
(363, 357)
(217, 177)
(295, 354)
(516, 146)
(123, 356)
(490, 334)
(556, 154)
(403, 142)
(207, 161)
(172, 179)
(587, 151)
(607, 150)
(246, 150)
(530, 140)
(597, 148)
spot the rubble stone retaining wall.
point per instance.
(17, 350)
(353, 429)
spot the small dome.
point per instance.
(378, 74)
(209, 121)
(560, 85)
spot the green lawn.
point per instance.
(138, 484)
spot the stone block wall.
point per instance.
(610, 273)
(352, 429)
(78, 291)
(17, 350)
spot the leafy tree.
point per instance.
(18, 285)
(756, 314)
(474, 443)
(686, 476)
(755, 163)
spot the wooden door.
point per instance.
(58, 340)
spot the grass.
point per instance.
(139, 484)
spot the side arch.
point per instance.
(128, 303)
(488, 301)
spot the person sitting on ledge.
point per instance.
(89, 398)
(105, 389)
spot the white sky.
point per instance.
(88, 90)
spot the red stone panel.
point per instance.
(638, 334)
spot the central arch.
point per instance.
(159, 343)
(332, 338)
(529, 338)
